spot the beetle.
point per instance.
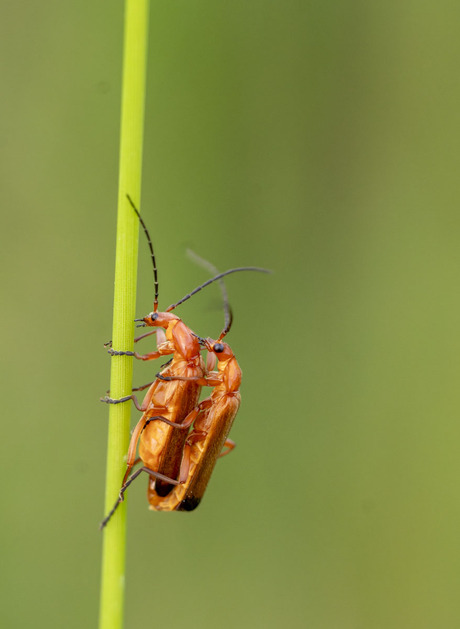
(213, 419)
(161, 446)
(170, 399)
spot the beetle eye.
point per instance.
(218, 348)
(154, 316)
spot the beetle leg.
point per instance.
(149, 356)
(109, 343)
(114, 352)
(130, 466)
(208, 381)
(150, 472)
(166, 364)
(140, 407)
(170, 423)
(196, 436)
(109, 400)
(164, 351)
(166, 421)
(143, 336)
(185, 464)
(188, 421)
(128, 483)
(230, 445)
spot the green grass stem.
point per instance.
(130, 169)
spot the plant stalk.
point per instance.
(130, 171)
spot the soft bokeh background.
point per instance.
(320, 139)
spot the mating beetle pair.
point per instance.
(180, 463)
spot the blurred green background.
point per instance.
(319, 139)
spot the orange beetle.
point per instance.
(213, 419)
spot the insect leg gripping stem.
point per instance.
(131, 479)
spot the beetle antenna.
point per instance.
(155, 272)
(228, 323)
(212, 269)
(215, 279)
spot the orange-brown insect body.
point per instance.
(204, 445)
(161, 445)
